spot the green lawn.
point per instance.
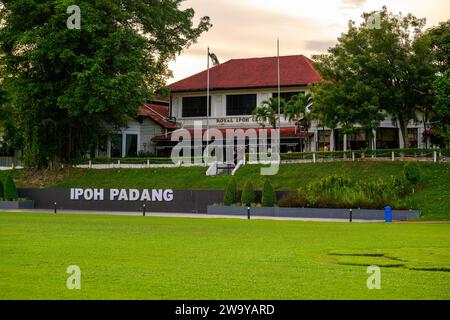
(172, 258)
(432, 197)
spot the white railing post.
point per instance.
(148, 163)
(90, 164)
(314, 157)
(434, 156)
(393, 156)
(353, 156)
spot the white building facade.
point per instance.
(237, 87)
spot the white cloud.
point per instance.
(249, 28)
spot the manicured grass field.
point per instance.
(172, 258)
(432, 197)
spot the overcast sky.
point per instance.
(249, 28)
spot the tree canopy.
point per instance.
(267, 112)
(441, 108)
(376, 70)
(72, 86)
(440, 45)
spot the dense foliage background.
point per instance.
(66, 88)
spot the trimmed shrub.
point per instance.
(293, 200)
(248, 194)
(2, 192)
(10, 189)
(412, 172)
(269, 196)
(230, 193)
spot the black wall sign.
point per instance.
(187, 201)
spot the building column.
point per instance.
(420, 142)
(332, 144)
(314, 142)
(374, 139)
(124, 144)
(108, 148)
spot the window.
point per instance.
(116, 146)
(241, 104)
(131, 145)
(324, 140)
(359, 140)
(387, 138)
(286, 96)
(195, 107)
(413, 138)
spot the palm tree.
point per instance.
(298, 110)
(268, 112)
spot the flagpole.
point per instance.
(207, 105)
(279, 86)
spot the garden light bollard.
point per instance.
(351, 215)
(143, 210)
(55, 209)
(388, 214)
(248, 213)
(393, 156)
(435, 156)
(353, 156)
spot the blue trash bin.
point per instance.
(388, 214)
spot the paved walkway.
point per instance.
(184, 215)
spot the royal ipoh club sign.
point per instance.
(147, 195)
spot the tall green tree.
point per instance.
(298, 110)
(441, 108)
(10, 137)
(440, 45)
(351, 105)
(71, 86)
(386, 65)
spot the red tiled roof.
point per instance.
(158, 113)
(252, 73)
(290, 132)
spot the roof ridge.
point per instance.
(252, 72)
(241, 59)
(269, 57)
(159, 114)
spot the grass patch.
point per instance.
(432, 197)
(171, 258)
